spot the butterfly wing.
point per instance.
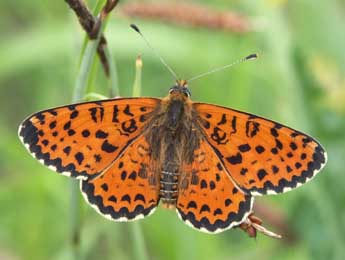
(128, 189)
(81, 140)
(208, 199)
(262, 156)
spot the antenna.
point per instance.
(135, 28)
(249, 57)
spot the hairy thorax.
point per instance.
(174, 138)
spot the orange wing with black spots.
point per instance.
(128, 189)
(81, 140)
(208, 200)
(262, 156)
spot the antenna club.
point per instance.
(135, 28)
(252, 56)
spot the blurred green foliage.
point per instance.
(299, 80)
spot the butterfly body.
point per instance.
(206, 161)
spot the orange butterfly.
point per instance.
(206, 161)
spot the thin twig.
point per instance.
(91, 25)
(190, 15)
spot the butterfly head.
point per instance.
(180, 90)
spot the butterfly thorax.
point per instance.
(173, 143)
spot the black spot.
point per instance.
(223, 120)
(219, 136)
(127, 111)
(259, 149)
(244, 148)
(212, 185)
(236, 159)
(227, 202)
(289, 154)
(107, 147)
(303, 156)
(192, 204)
(206, 124)
(306, 140)
(123, 175)
(274, 150)
(129, 126)
(208, 115)
(293, 146)
(203, 184)
(97, 157)
(252, 128)
(279, 145)
(115, 114)
(219, 166)
(234, 190)
(101, 135)
(79, 157)
(217, 177)
(143, 109)
(52, 112)
(275, 169)
(71, 107)
(233, 125)
(244, 171)
(205, 208)
(298, 165)
(40, 117)
(67, 125)
(93, 112)
(112, 198)
(294, 134)
(85, 133)
(133, 175)
(288, 169)
(104, 187)
(55, 133)
(142, 118)
(120, 165)
(45, 142)
(53, 147)
(140, 197)
(52, 125)
(261, 174)
(74, 114)
(126, 198)
(71, 132)
(67, 150)
(251, 181)
(40, 133)
(274, 132)
(218, 211)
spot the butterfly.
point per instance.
(206, 161)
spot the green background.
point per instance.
(299, 80)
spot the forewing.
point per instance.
(81, 140)
(262, 156)
(128, 189)
(208, 200)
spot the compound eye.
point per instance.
(187, 93)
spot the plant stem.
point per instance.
(136, 233)
(137, 80)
